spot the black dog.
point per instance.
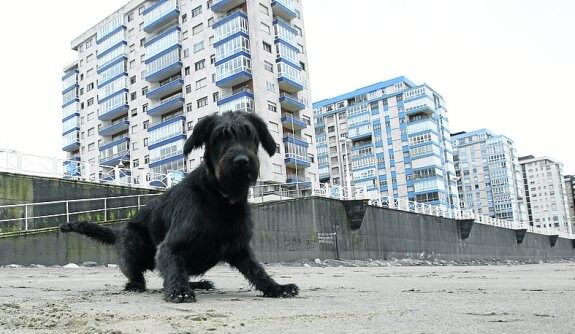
(202, 220)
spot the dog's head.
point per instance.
(231, 143)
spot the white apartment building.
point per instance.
(489, 176)
(570, 190)
(392, 138)
(545, 193)
(145, 75)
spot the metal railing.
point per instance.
(35, 216)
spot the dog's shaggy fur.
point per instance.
(202, 220)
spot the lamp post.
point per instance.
(346, 162)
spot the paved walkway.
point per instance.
(535, 298)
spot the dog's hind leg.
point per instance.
(136, 252)
(173, 270)
(244, 260)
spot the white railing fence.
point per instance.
(16, 162)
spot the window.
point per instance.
(91, 146)
(135, 128)
(147, 159)
(267, 47)
(202, 102)
(189, 107)
(146, 124)
(186, 53)
(210, 21)
(90, 116)
(145, 108)
(190, 125)
(302, 64)
(145, 142)
(216, 96)
(198, 29)
(145, 90)
(265, 28)
(90, 101)
(88, 43)
(136, 163)
(201, 83)
(133, 96)
(134, 112)
(185, 35)
(89, 58)
(268, 66)
(271, 86)
(132, 63)
(132, 80)
(134, 145)
(187, 70)
(90, 132)
(200, 64)
(198, 47)
(196, 11)
(188, 89)
(264, 9)
(212, 59)
(89, 73)
(272, 106)
(184, 18)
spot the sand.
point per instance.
(385, 298)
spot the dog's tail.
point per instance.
(94, 231)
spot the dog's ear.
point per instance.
(200, 133)
(266, 138)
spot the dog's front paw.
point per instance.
(184, 295)
(202, 285)
(287, 290)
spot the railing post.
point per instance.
(139, 197)
(67, 212)
(26, 217)
(105, 209)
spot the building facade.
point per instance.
(391, 138)
(147, 73)
(489, 176)
(570, 192)
(545, 193)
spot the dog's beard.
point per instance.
(235, 182)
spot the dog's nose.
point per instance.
(241, 160)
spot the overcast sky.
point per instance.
(505, 65)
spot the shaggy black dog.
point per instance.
(202, 220)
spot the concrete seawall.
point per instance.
(310, 228)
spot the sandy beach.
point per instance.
(368, 299)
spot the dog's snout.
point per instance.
(241, 160)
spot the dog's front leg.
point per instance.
(173, 271)
(244, 260)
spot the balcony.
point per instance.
(234, 72)
(162, 44)
(113, 106)
(167, 87)
(421, 126)
(289, 121)
(291, 102)
(71, 141)
(284, 9)
(295, 139)
(360, 132)
(235, 46)
(112, 152)
(160, 14)
(236, 22)
(289, 78)
(222, 6)
(423, 105)
(285, 33)
(115, 128)
(168, 104)
(293, 160)
(165, 66)
(301, 179)
(240, 100)
(166, 131)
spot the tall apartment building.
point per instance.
(570, 191)
(545, 192)
(393, 137)
(489, 176)
(148, 72)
